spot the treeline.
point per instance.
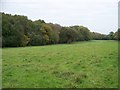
(110, 36)
(19, 31)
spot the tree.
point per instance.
(83, 33)
(99, 36)
(117, 35)
(14, 31)
(68, 35)
(111, 35)
(55, 32)
(20, 31)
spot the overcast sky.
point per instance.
(98, 15)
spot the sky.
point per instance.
(98, 15)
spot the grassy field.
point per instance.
(90, 64)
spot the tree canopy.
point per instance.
(19, 31)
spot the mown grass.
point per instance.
(90, 64)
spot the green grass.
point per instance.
(90, 64)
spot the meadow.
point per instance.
(86, 64)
